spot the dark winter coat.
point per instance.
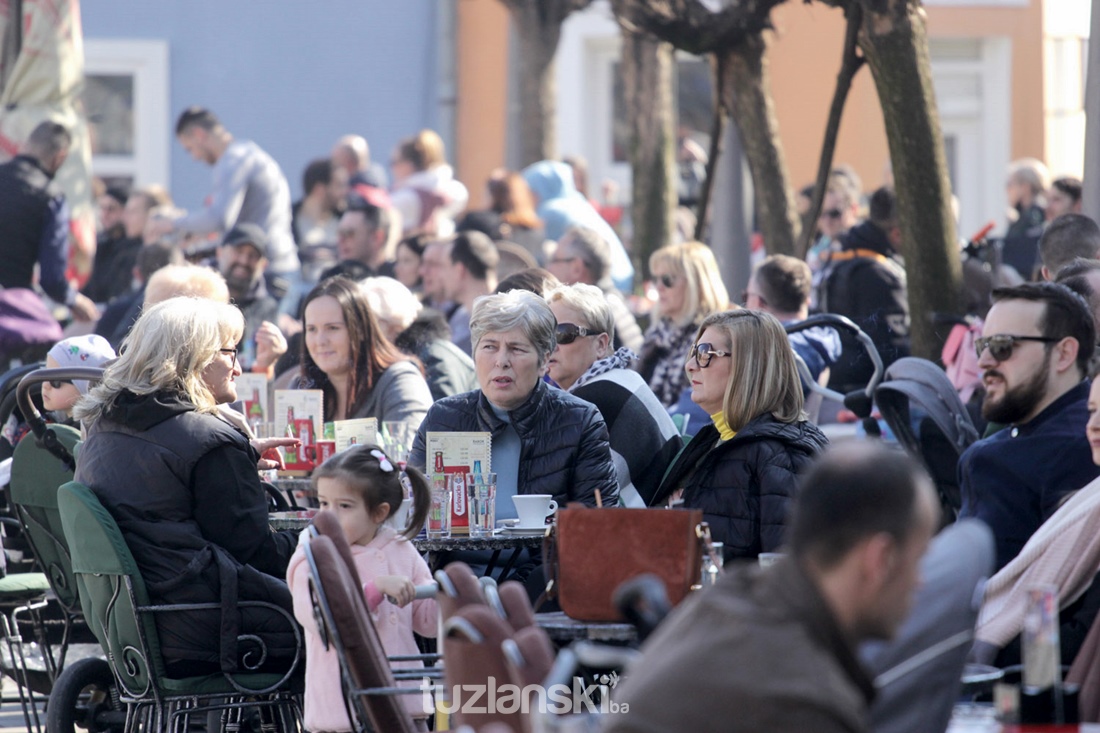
(185, 492)
(564, 445)
(745, 485)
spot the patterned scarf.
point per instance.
(621, 359)
(673, 343)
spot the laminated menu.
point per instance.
(252, 390)
(360, 431)
(299, 414)
(456, 454)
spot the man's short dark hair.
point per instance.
(1066, 315)
(593, 250)
(854, 491)
(351, 269)
(1067, 237)
(48, 139)
(882, 210)
(151, 257)
(196, 117)
(784, 282)
(317, 173)
(535, 279)
(476, 252)
(376, 216)
(1075, 277)
(1068, 185)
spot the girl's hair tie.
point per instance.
(383, 462)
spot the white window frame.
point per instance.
(147, 62)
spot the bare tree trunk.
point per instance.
(850, 63)
(720, 68)
(647, 70)
(754, 113)
(538, 42)
(895, 43)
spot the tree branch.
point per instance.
(850, 63)
(690, 26)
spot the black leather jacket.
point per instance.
(744, 486)
(564, 445)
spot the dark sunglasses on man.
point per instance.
(1002, 345)
(832, 213)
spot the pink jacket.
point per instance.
(387, 554)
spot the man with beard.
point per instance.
(1034, 352)
(242, 261)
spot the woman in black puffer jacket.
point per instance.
(741, 470)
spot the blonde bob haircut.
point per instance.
(167, 350)
(693, 261)
(590, 302)
(763, 375)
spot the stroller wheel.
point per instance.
(84, 697)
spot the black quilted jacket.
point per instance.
(745, 485)
(564, 446)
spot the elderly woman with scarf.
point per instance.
(643, 438)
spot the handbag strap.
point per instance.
(550, 566)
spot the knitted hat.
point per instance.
(82, 351)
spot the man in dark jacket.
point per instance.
(1034, 351)
(34, 220)
(772, 649)
(866, 282)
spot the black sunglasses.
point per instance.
(58, 383)
(703, 353)
(1002, 345)
(567, 333)
(667, 280)
(832, 213)
(230, 351)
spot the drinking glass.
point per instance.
(713, 561)
(396, 440)
(482, 488)
(439, 514)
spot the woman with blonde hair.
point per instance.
(182, 484)
(425, 191)
(741, 469)
(689, 288)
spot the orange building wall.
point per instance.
(480, 134)
(805, 59)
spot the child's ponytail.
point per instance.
(422, 501)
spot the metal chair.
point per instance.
(117, 609)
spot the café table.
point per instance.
(563, 630)
(438, 549)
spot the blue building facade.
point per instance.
(292, 76)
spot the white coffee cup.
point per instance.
(532, 509)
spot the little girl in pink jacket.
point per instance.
(364, 489)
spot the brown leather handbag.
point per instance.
(589, 553)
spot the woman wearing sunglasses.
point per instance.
(741, 469)
(644, 440)
(544, 440)
(689, 288)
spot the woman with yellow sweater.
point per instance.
(741, 470)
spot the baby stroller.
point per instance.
(74, 674)
(924, 411)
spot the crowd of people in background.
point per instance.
(382, 289)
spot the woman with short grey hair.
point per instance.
(544, 441)
(516, 309)
(644, 440)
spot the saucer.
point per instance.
(522, 531)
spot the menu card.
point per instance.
(252, 390)
(458, 454)
(299, 414)
(360, 431)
